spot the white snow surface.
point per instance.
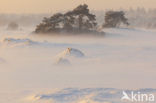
(18, 42)
(122, 60)
(87, 95)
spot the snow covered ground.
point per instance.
(124, 59)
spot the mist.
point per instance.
(28, 65)
(121, 59)
(146, 18)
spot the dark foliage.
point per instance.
(77, 20)
(115, 18)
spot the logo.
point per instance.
(137, 97)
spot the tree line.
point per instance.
(79, 20)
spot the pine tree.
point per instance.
(115, 18)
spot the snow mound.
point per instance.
(26, 42)
(18, 42)
(67, 55)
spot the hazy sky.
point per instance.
(46, 6)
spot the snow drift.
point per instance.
(88, 95)
(66, 56)
(18, 42)
(126, 57)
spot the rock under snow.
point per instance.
(67, 55)
(2, 60)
